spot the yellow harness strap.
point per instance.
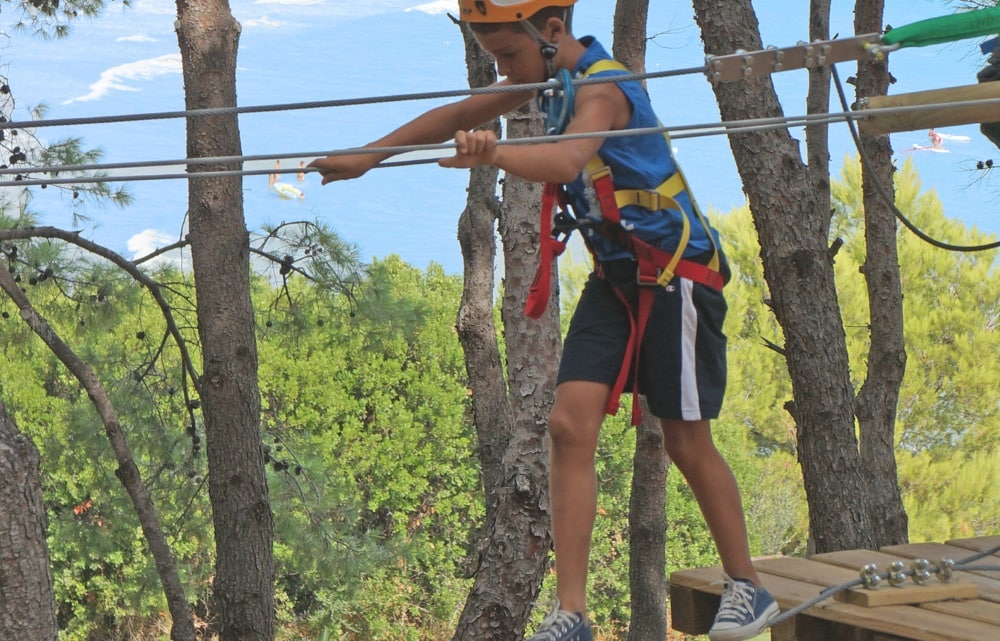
(663, 197)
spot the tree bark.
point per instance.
(791, 213)
(27, 604)
(646, 517)
(476, 328)
(243, 591)
(876, 403)
(511, 416)
(647, 564)
(629, 46)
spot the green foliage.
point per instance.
(51, 18)
(71, 151)
(954, 496)
(374, 456)
(370, 448)
(758, 386)
(104, 577)
(948, 408)
(951, 320)
(371, 453)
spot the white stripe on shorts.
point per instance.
(690, 401)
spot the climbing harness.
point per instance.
(655, 267)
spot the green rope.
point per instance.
(957, 26)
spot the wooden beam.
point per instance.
(883, 123)
(692, 608)
(910, 594)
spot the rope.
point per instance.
(884, 193)
(982, 555)
(346, 102)
(819, 598)
(678, 132)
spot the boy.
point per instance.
(682, 369)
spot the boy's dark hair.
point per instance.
(538, 19)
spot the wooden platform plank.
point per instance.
(975, 609)
(857, 559)
(694, 599)
(807, 570)
(826, 575)
(698, 591)
(978, 544)
(930, 551)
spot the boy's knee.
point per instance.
(684, 440)
(567, 430)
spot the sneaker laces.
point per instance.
(556, 625)
(737, 601)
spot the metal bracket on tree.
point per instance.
(744, 65)
(752, 64)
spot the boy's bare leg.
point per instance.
(690, 446)
(574, 424)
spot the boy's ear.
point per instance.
(554, 26)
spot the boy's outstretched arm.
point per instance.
(601, 107)
(434, 126)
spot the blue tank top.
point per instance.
(637, 162)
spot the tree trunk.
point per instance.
(791, 213)
(647, 526)
(532, 366)
(646, 517)
(27, 604)
(476, 328)
(629, 47)
(513, 556)
(877, 401)
(243, 597)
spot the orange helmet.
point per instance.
(505, 10)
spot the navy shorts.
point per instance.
(682, 367)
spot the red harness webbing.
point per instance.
(549, 248)
(656, 268)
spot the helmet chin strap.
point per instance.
(547, 48)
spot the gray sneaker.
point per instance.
(561, 625)
(745, 611)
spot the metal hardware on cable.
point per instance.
(870, 577)
(556, 103)
(945, 570)
(897, 573)
(921, 571)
